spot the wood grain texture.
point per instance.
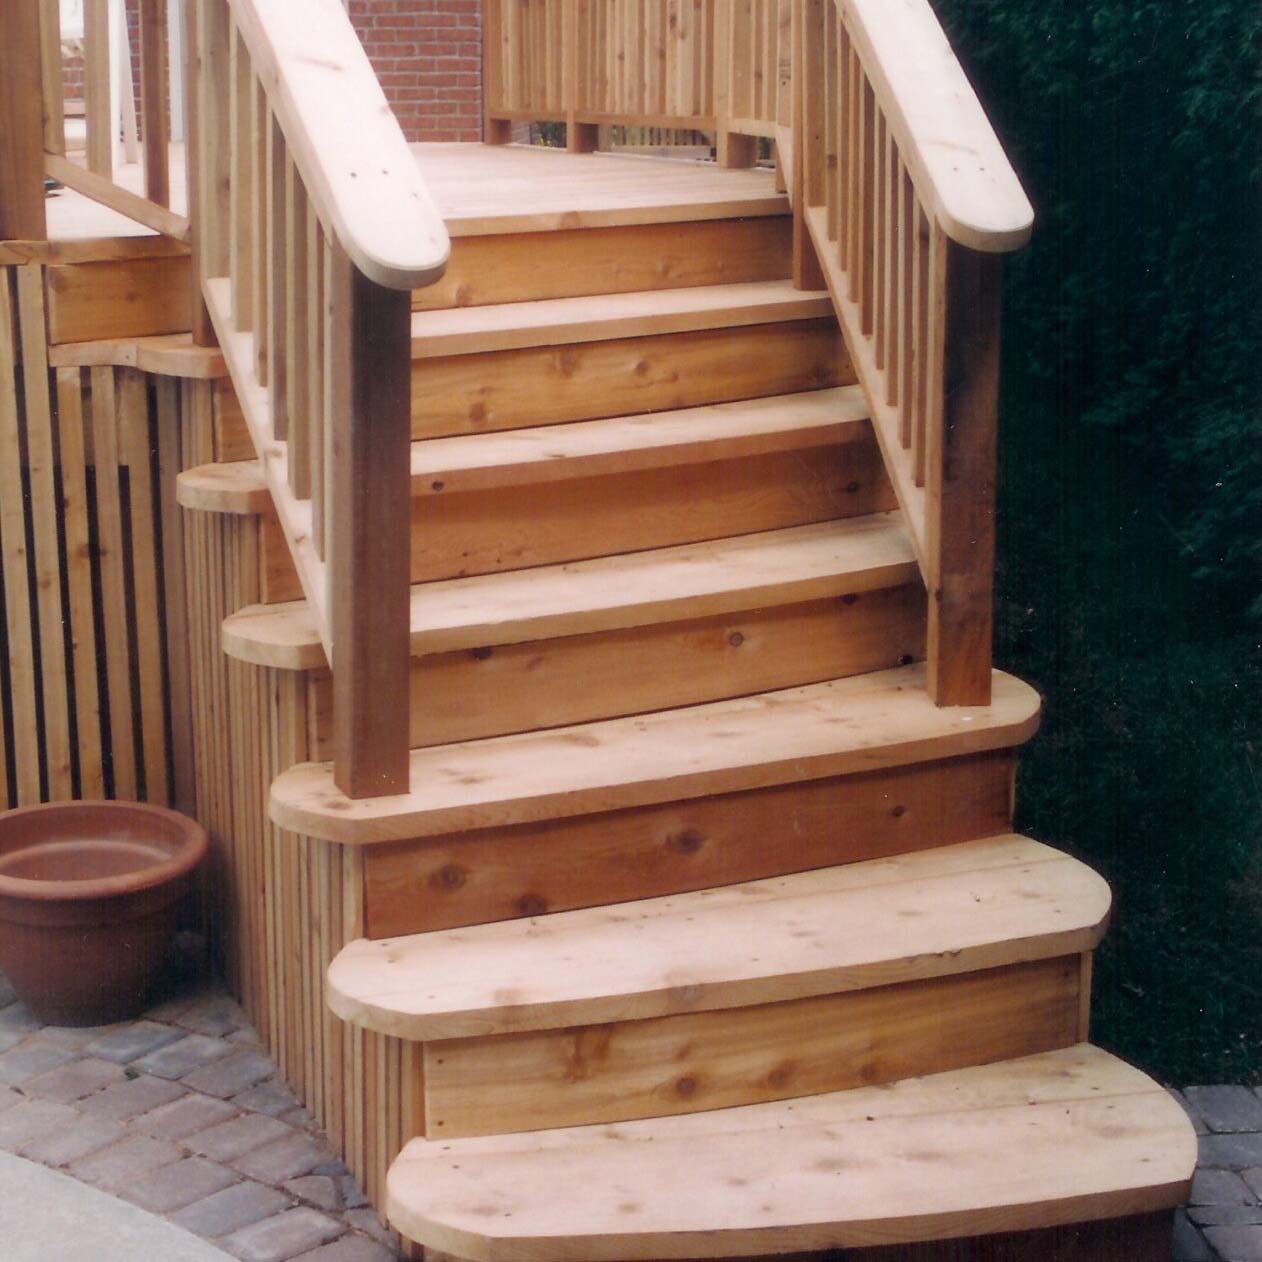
(118, 299)
(497, 874)
(956, 909)
(879, 720)
(21, 126)
(853, 1168)
(746, 1055)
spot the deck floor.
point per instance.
(484, 189)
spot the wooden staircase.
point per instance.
(702, 930)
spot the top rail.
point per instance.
(942, 131)
(345, 140)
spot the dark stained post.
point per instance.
(369, 536)
(961, 486)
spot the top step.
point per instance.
(604, 317)
(862, 723)
(1063, 1137)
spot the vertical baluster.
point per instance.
(832, 120)
(153, 100)
(854, 167)
(258, 235)
(893, 250)
(329, 356)
(241, 123)
(49, 73)
(920, 284)
(906, 304)
(297, 323)
(315, 360)
(278, 376)
(868, 196)
(96, 83)
(880, 186)
(837, 40)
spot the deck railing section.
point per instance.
(909, 202)
(33, 134)
(312, 227)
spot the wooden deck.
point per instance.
(483, 189)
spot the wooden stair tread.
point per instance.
(958, 909)
(651, 440)
(695, 580)
(581, 449)
(1066, 1136)
(559, 321)
(862, 723)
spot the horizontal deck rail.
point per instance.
(312, 226)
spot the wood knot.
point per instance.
(451, 876)
(532, 904)
(687, 842)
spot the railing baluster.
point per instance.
(868, 208)
(315, 388)
(854, 158)
(53, 104)
(278, 367)
(297, 323)
(241, 123)
(258, 234)
(893, 200)
(906, 305)
(920, 298)
(153, 100)
(832, 140)
(880, 187)
(96, 85)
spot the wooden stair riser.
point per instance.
(514, 528)
(468, 694)
(499, 874)
(691, 1062)
(500, 390)
(528, 266)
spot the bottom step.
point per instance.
(1065, 1137)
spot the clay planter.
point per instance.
(88, 898)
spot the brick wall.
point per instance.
(428, 56)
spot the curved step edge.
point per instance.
(1063, 1137)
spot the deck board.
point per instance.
(486, 189)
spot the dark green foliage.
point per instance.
(1130, 578)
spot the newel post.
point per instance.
(960, 531)
(369, 536)
(21, 124)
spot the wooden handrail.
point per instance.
(941, 130)
(345, 140)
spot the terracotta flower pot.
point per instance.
(88, 898)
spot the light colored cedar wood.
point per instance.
(483, 190)
(879, 720)
(499, 874)
(21, 126)
(745, 1055)
(117, 300)
(297, 331)
(46, 561)
(96, 87)
(81, 625)
(237, 487)
(109, 517)
(1084, 995)
(747, 572)
(806, 177)
(960, 531)
(22, 617)
(277, 292)
(50, 76)
(746, 427)
(175, 608)
(334, 115)
(516, 528)
(136, 445)
(540, 265)
(232, 435)
(545, 385)
(155, 129)
(172, 355)
(241, 158)
(886, 421)
(942, 132)
(932, 913)
(100, 189)
(90, 250)
(965, 1152)
(470, 694)
(259, 227)
(556, 322)
(369, 545)
(293, 515)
